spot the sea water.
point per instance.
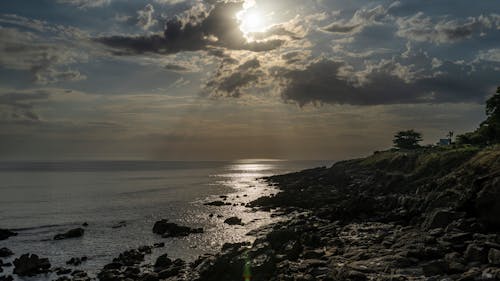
(121, 200)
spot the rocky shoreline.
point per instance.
(428, 214)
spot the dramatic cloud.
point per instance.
(83, 4)
(360, 19)
(231, 79)
(201, 27)
(421, 28)
(47, 61)
(145, 17)
(388, 82)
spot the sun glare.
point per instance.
(251, 21)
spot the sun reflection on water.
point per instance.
(244, 178)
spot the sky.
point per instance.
(221, 80)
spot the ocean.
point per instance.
(121, 200)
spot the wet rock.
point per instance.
(145, 249)
(233, 221)
(162, 262)
(73, 233)
(159, 245)
(113, 265)
(5, 234)
(76, 261)
(168, 229)
(62, 271)
(6, 278)
(217, 203)
(79, 273)
(494, 256)
(4, 252)
(130, 257)
(31, 265)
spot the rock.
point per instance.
(149, 276)
(79, 273)
(145, 249)
(476, 253)
(76, 261)
(31, 265)
(6, 278)
(162, 262)
(113, 265)
(217, 203)
(441, 218)
(5, 234)
(168, 229)
(170, 272)
(4, 252)
(159, 245)
(494, 256)
(486, 204)
(292, 250)
(130, 257)
(436, 267)
(85, 224)
(233, 221)
(62, 271)
(73, 233)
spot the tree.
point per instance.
(489, 130)
(407, 139)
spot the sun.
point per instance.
(251, 20)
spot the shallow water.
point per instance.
(39, 200)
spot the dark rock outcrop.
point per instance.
(218, 203)
(73, 233)
(169, 229)
(233, 221)
(5, 234)
(31, 265)
(5, 252)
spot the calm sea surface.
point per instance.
(41, 199)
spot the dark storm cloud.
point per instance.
(197, 29)
(232, 79)
(389, 82)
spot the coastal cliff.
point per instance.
(426, 214)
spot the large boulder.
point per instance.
(5, 233)
(31, 265)
(441, 218)
(486, 205)
(73, 233)
(169, 229)
(162, 262)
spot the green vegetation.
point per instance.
(407, 139)
(489, 130)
